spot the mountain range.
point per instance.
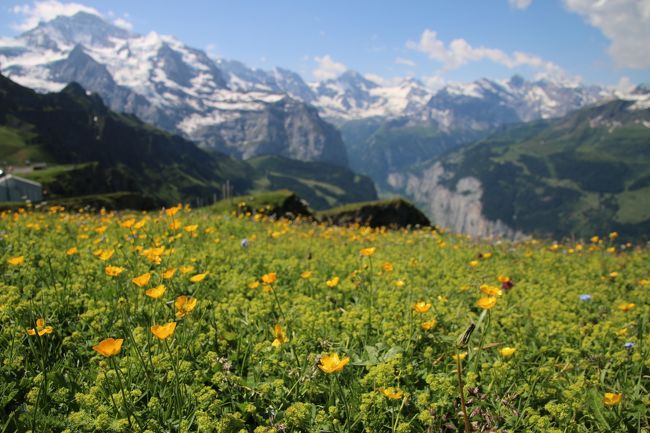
(394, 131)
(93, 151)
(225, 105)
(585, 173)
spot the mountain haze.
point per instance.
(577, 175)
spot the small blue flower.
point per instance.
(629, 345)
(244, 243)
(585, 297)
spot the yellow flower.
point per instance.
(333, 282)
(503, 279)
(486, 255)
(175, 225)
(163, 332)
(254, 285)
(644, 282)
(332, 363)
(421, 307)
(109, 347)
(16, 261)
(127, 224)
(269, 278)
(306, 275)
(399, 283)
(156, 292)
(173, 210)
(613, 275)
(392, 392)
(507, 351)
(429, 324)
(184, 304)
(594, 239)
(198, 277)
(191, 228)
(368, 252)
(490, 290)
(474, 263)
(169, 273)
(622, 332)
(41, 329)
(153, 254)
(626, 307)
(459, 356)
(186, 269)
(487, 303)
(113, 271)
(613, 235)
(106, 254)
(142, 280)
(72, 251)
(611, 399)
(280, 336)
(387, 267)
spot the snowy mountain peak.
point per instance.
(487, 103)
(81, 28)
(223, 105)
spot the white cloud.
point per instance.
(434, 82)
(375, 78)
(403, 61)
(327, 68)
(212, 50)
(47, 10)
(459, 52)
(624, 85)
(520, 4)
(123, 23)
(626, 23)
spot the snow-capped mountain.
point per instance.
(484, 104)
(173, 86)
(228, 106)
(353, 96)
(349, 96)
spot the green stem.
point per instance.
(345, 400)
(486, 313)
(461, 392)
(126, 402)
(178, 393)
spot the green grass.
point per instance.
(250, 355)
(257, 201)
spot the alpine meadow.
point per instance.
(341, 217)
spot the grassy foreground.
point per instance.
(191, 321)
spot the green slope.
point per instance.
(322, 185)
(586, 173)
(93, 151)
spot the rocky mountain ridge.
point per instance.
(171, 85)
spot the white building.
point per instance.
(14, 188)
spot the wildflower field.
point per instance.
(185, 320)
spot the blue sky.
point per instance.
(597, 41)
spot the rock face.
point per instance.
(175, 87)
(396, 213)
(285, 127)
(458, 208)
